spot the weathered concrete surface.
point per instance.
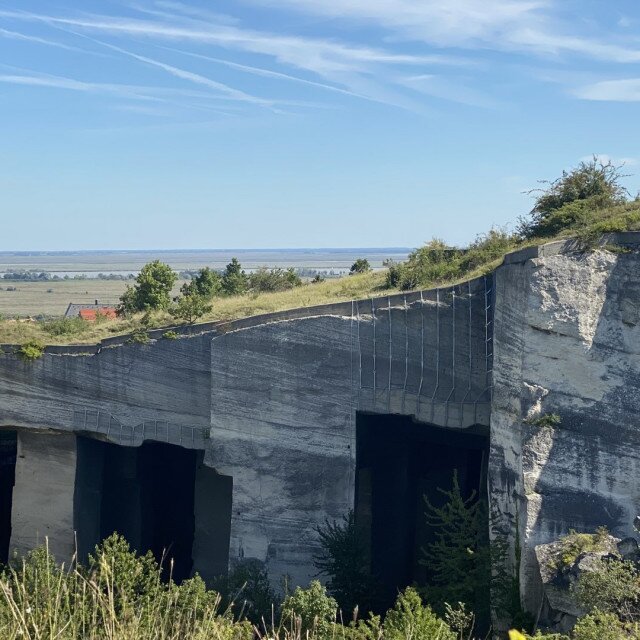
(277, 397)
(43, 493)
(566, 342)
(272, 400)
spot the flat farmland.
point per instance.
(52, 298)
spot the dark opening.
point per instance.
(144, 493)
(398, 462)
(8, 452)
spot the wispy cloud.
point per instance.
(356, 70)
(15, 35)
(448, 89)
(530, 26)
(626, 90)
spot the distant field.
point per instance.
(32, 299)
(51, 298)
(93, 262)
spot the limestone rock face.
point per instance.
(567, 346)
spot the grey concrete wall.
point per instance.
(42, 505)
(271, 401)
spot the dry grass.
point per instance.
(34, 298)
(334, 290)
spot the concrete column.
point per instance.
(212, 507)
(43, 493)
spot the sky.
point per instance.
(302, 123)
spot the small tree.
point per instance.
(190, 308)
(344, 559)
(206, 284)
(361, 265)
(152, 290)
(458, 560)
(234, 279)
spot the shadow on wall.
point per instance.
(398, 462)
(8, 452)
(161, 498)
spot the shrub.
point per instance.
(247, 588)
(545, 420)
(266, 280)
(603, 626)
(409, 618)
(361, 265)
(190, 308)
(314, 610)
(117, 596)
(207, 284)
(575, 544)
(152, 290)
(594, 184)
(345, 560)
(139, 336)
(31, 351)
(170, 335)
(614, 587)
(65, 327)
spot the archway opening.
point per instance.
(399, 462)
(146, 494)
(8, 452)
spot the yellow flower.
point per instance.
(516, 635)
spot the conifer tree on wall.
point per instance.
(458, 559)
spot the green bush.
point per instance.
(266, 280)
(118, 596)
(614, 587)
(361, 265)
(190, 308)
(437, 263)
(575, 544)
(65, 327)
(603, 626)
(31, 351)
(565, 201)
(311, 610)
(248, 591)
(152, 290)
(410, 618)
(206, 284)
(170, 335)
(139, 336)
(344, 559)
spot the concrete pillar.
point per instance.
(212, 509)
(43, 493)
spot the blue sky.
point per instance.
(302, 123)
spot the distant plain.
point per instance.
(51, 297)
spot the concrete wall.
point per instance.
(271, 402)
(43, 493)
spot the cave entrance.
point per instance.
(398, 462)
(8, 453)
(145, 493)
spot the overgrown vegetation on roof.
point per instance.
(585, 203)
